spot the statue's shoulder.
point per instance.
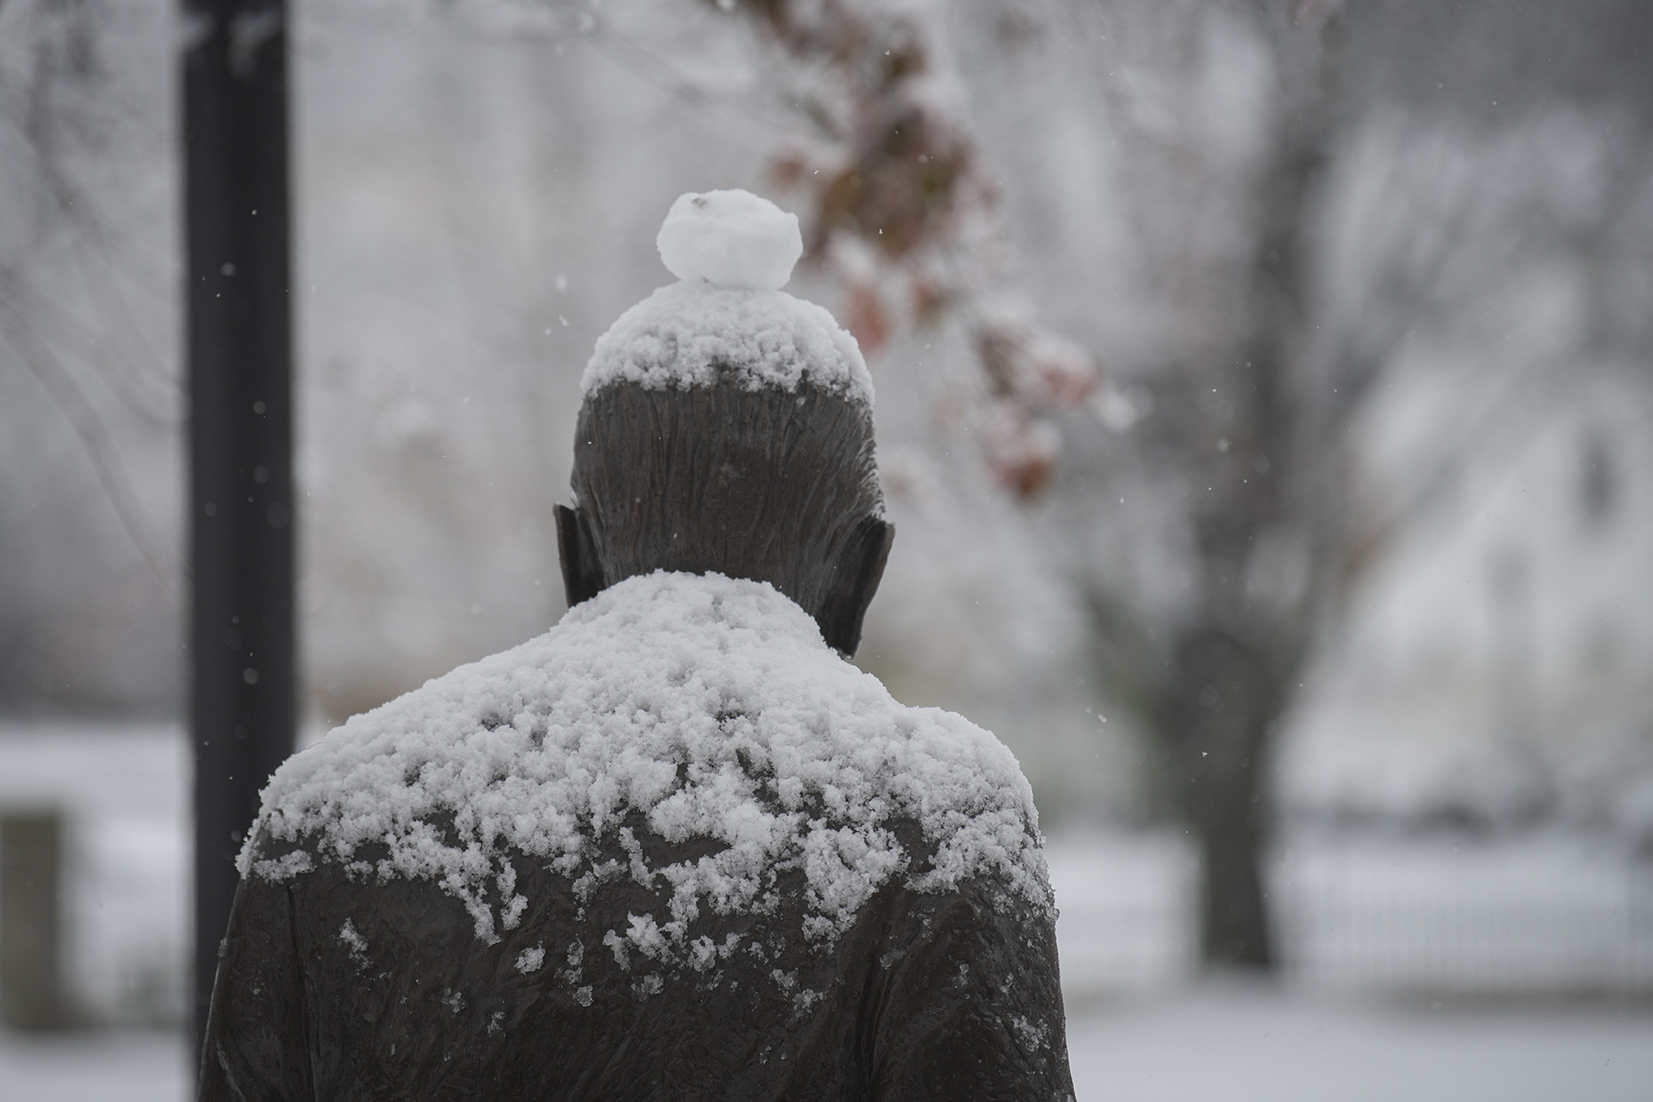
(349, 787)
(669, 706)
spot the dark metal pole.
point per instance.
(242, 704)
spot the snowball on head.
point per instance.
(730, 239)
(727, 315)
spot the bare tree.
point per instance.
(89, 404)
(1254, 430)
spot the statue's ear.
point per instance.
(582, 574)
(855, 579)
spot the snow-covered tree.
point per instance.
(1315, 194)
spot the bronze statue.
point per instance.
(677, 847)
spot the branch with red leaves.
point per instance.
(898, 203)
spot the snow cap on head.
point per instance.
(727, 318)
(730, 239)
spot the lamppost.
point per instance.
(239, 334)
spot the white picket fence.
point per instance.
(1505, 917)
(1511, 916)
(1127, 917)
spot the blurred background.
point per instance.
(1265, 407)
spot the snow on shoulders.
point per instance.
(710, 706)
(732, 252)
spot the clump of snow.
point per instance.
(1033, 1036)
(287, 865)
(730, 239)
(529, 960)
(687, 334)
(353, 942)
(709, 705)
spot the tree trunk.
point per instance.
(1219, 710)
(1231, 664)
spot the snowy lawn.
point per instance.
(124, 1066)
(1222, 1042)
(1240, 1044)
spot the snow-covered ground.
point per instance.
(123, 1066)
(1240, 1044)
(1233, 1043)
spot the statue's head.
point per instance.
(727, 427)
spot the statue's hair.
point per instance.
(774, 485)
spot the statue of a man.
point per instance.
(677, 847)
